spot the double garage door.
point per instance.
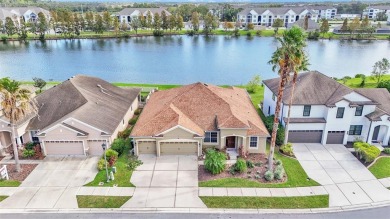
(315, 136)
(168, 148)
(64, 148)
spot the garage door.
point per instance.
(179, 148)
(335, 137)
(305, 136)
(95, 147)
(64, 148)
(146, 147)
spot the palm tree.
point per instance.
(15, 105)
(285, 60)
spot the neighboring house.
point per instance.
(128, 13)
(327, 12)
(187, 119)
(29, 14)
(372, 11)
(77, 116)
(312, 25)
(325, 111)
(267, 16)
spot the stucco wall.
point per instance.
(261, 145)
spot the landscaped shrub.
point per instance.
(101, 164)
(133, 121)
(28, 153)
(137, 112)
(258, 33)
(249, 34)
(215, 162)
(269, 175)
(279, 172)
(278, 162)
(29, 145)
(111, 156)
(125, 133)
(287, 149)
(133, 163)
(269, 122)
(191, 32)
(250, 164)
(158, 33)
(240, 165)
(386, 150)
(120, 145)
(366, 151)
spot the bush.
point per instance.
(386, 150)
(133, 121)
(29, 145)
(269, 175)
(158, 33)
(258, 33)
(111, 156)
(28, 153)
(313, 35)
(366, 151)
(287, 149)
(4, 38)
(278, 162)
(215, 161)
(101, 164)
(191, 32)
(125, 133)
(279, 172)
(269, 122)
(359, 75)
(133, 163)
(249, 34)
(236, 32)
(120, 145)
(240, 165)
(384, 84)
(250, 164)
(137, 112)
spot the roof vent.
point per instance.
(205, 84)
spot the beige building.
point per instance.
(77, 116)
(187, 119)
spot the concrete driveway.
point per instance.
(346, 179)
(166, 181)
(53, 183)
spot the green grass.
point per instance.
(381, 168)
(9, 183)
(3, 197)
(89, 201)
(370, 82)
(296, 177)
(320, 201)
(122, 176)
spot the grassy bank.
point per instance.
(320, 201)
(370, 82)
(93, 201)
(381, 168)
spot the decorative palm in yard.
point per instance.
(289, 58)
(15, 105)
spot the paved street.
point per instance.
(166, 181)
(347, 181)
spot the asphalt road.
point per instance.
(377, 213)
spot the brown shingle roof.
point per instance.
(380, 96)
(199, 108)
(88, 99)
(313, 88)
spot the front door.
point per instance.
(231, 142)
(376, 133)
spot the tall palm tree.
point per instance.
(15, 105)
(284, 60)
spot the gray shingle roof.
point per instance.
(379, 95)
(129, 11)
(312, 25)
(312, 88)
(88, 99)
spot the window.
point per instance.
(355, 130)
(269, 110)
(359, 111)
(211, 137)
(340, 112)
(273, 97)
(306, 110)
(253, 142)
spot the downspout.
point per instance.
(369, 130)
(281, 117)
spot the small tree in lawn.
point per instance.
(149, 19)
(39, 83)
(353, 26)
(230, 25)
(195, 21)
(107, 20)
(22, 30)
(324, 27)
(135, 24)
(99, 26)
(225, 25)
(157, 21)
(306, 23)
(179, 22)
(124, 26)
(171, 22)
(164, 20)
(253, 84)
(344, 27)
(116, 26)
(9, 26)
(277, 23)
(42, 26)
(380, 68)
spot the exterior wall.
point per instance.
(268, 102)
(385, 135)
(233, 132)
(261, 146)
(122, 126)
(371, 12)
(5, 139)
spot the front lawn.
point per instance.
(381, 168)
(122, 176)
(319, 201)
(3, 197)
(9, 183)
(296, 177)
(94, 201)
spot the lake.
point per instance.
(178, 59)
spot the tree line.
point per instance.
(359, 27)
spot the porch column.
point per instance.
(158, 149)
(371, 132)
(387, 136)
(18, 142)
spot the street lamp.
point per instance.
(104, 146)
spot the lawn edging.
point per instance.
(373, 162)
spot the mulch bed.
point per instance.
(204, 175)
(22, 175)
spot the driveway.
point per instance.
(346, 179)
(166, 181)
(53, 183)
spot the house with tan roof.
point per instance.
(76, 117)
(328, 112)
(187, 119)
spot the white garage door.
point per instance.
(146, 147)
(95, 147)
(64, 148)
(179, 148)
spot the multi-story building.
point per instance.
(372, 11)
(128, 13)
(29, 14)
(327, 12)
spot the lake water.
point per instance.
(178, 59)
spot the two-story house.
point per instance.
(126, 14)
(29, 14)
(372, 11)
(325, 111)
